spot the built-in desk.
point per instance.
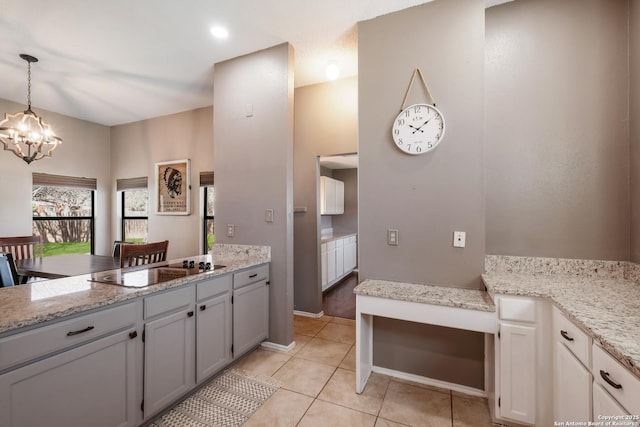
(467, 309)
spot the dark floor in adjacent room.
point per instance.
(340, 301)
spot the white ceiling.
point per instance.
(119, 61)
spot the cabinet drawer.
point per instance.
(38, 342)
(168, 301)
(629, 386)
(213, 287)
(252, 275)
(519, 309)
(576, 340)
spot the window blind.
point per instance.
(64, 181)
(206, 179)
(132, 183)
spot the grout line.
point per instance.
(451, 400)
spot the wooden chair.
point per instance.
(22, 247)
(8, 273)
(145, 253)
(116, 247)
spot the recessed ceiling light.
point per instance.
(219, 32)
(332, 71)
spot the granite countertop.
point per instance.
(30, 304)
(334, 236)
(598, 296)
(470, 299)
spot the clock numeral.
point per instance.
(400, 141)
(417, 109)
(430, 145)
(408, 147)
(400, 122)
(396, 131)
(418, 149)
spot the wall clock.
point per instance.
(418, 129)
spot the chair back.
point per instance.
(116, 247)
(8, 273)
(145, 253)
(22, 247)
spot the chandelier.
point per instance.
(26, 134)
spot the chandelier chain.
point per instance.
(29, 85)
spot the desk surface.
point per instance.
(55, 267)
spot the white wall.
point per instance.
(84, 152)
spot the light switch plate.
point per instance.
(268, 215)
(459, 239)
(392, 237)
(231, 230)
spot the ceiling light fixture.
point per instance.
(26, 134)
(332, 71)
(219, 32)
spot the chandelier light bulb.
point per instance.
(332, 71)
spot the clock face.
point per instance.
(418, 129)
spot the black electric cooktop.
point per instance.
(142, 277)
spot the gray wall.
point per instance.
(326, 122)
(136, 147)
(634, 105)
(254, 166)
(425, 197)
(557, 168)
(84, 152)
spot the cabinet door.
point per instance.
(250, 317)
(339, 261)
(324, 266)
(572, 387)
(91, 385)
(339, 197)
(331, 265)
(517, 372)
(213, 335)
(327, 195)
(604, 404)
(168, 360)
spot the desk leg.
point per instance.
(364, 349)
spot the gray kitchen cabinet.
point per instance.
(91, 383)
(169, 360)
(250, 309)
(213, 326)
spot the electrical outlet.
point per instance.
(392, 237)
(231, 230)
(459, 239)
(268, 215)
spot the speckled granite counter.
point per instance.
(334, 236)
(599, 296)
(426, 294)
(30, 304)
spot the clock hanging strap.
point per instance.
(413, 77)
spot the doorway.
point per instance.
(338, 228)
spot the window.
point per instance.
(63, 213)
(134, 209)
(206, 182)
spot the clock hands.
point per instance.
(419, 128)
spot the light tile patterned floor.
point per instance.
(318, 378)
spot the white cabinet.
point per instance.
(517, 372)
(619, 382)
(572, 387)
(571, 378)
(213, 326)
(337, 259)
(250, 309)
(604, 405)
(331, 196)
(523, 361)
(169, 349)
(91, 384)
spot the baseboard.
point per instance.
(279, 347)
(430, 381)
(307, 314)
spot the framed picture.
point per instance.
(173, 189)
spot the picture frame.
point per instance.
(173, 187)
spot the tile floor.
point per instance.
(318, 378)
